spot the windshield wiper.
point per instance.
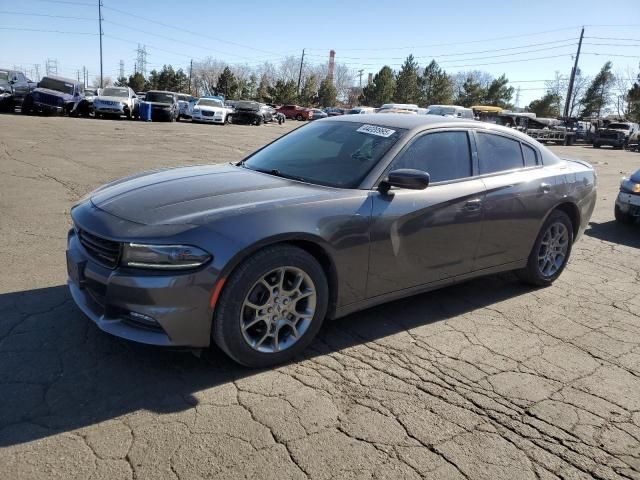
(278, 173)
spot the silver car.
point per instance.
(627, 209)
(115, 102)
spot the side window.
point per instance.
(530, 157)
(497, 153)
(443, 155)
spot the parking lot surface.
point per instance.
(485, 380)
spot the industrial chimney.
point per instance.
(332, 64)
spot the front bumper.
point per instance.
(629, 203)
(179, 302)
(115, 109)
(613, 142)
(161, 114)
(47, 108)
(198, 117)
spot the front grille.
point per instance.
(48, 99)
(106, 252)
(609, 135)
(207, 114)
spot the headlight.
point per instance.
(630, 186)
(163, 257)
(195, 110)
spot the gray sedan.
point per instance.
(337, 216)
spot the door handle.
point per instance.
(545, 187)
(473, 205)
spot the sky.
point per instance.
(527, 42)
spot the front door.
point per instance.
(419, 237)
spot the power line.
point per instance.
(81, 4)
(615, 38)
(611, 55)
(45, 31)
(6, 12)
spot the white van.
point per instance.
(450, 111)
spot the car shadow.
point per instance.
(616, 232)
(59, 372)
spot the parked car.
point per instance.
(295, 112)
(56, 95)
(251, 113)
(627, 208)
(90, 95)
(616, 135)
(14, 86)
(398, 106)
(334, 111)
(255, 255)
(185, 104)
(115, 102)
(209, 110)
(318, 114)
(450, 111)
(361, 111)
(141, 96)
(164, 105)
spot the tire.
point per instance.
(258, 121)
(532, 274)
(27, 105)
(243, 284)
(299, 117)
(178, 118)
(622, 217)
(596, 145)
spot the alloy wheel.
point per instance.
(278, 309)
(553, 249)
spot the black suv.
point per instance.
(14, 86)
(56, 95)
(164, 105)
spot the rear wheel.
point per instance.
(551, 251)
(299, 117)
(271, 307)
(622, 217)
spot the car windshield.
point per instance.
(335, 154)
(159, 97)
(57, 85)
(115, 92)
(210, 102)
(619, 126)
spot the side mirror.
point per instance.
(405, 178)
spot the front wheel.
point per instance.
(622, 217)
(596, 145)
(299, 117)
(271, 307)
(551, 251)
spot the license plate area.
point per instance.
(75, 269)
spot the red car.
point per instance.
(296, 112)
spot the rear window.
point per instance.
(497, 153)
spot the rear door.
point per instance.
(419, 237)
(520, 192)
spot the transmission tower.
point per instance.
(141, 60)
(37, 68)
(121, 69)
(51, 66)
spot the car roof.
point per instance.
(61, 79)
(423, 122)
(162, 91)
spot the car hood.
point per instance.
(206, 108)
(636, 176)
(159, 104)
(112, 99)
(196, 195)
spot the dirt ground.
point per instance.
(485, 380)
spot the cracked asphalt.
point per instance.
(485, 380)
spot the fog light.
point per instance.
(144, 319)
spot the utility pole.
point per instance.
(100, 32)
(84, 76)
(360, 72)
(78, 75)
(121, 68)
(37, 67)
(300, 72)
(567, 103)
(517, 98)
(190, 73)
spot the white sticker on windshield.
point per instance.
(375, 130)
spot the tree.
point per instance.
(249, 87)
(498, 93)
(136, 82)
(106, 82)
(407, 90)
(284, 93)
(121, 82)
(227, 84)
(436, 87)
(547, 106)
(309, 92)
(263, 95)
(327, 94)
(633, 97)
(471, 93)
(381, 90)
(597, 96)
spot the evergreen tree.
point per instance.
(548, 106)
(381, 90)
(309, 93)
(407, 90)
(596, 97)
(633, 97)
(498, 93)
(227, 84)
(284, 93)
(249, 87)
(327, 94)
(471, 93)
(136, 82)
(122, 82)
(436, 87)
(263, 95)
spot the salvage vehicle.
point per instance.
(185, 104)
(327, 220)
(115, 102)
(251, 113)
(209, 110)
(14, 86)
(616, 135)
(164, 105)
(56, 95)
(89, 96)
(334, 111)
(388, 107)
(296, 112)
(627, 208)
(318, 114)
